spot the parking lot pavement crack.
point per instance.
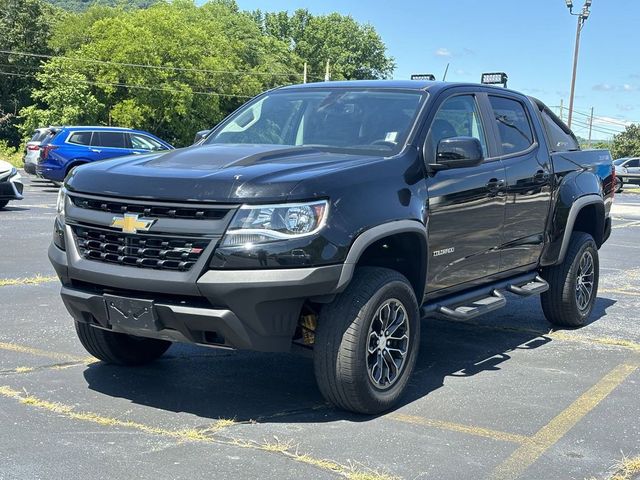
(288, 449)
(535, 446)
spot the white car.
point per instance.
(10, 185)
(32, 149)
(627, 171)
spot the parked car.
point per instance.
(331, 218)
(627, 171)
(10, 185)
(69, 147)
(32, 149)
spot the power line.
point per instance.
(142, 87)
(155, 67)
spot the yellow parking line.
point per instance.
(12, 347)
(206, 435)
(633, 293)
(547, 436)
(458, 427)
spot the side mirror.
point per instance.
(458, 152)
(200, 135)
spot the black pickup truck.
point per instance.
(331, 218)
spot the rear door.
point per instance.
(109, 144)
(529, 176)
(633, 170)
(466, 205)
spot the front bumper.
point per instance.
(242, 309)
(11, 188)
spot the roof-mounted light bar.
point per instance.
(495, 78)
(423, 76)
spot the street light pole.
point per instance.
(582, 17)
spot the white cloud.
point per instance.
(607, 87)
(443, 52)
(625, 107)
(603, 87)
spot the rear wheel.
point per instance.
(119, 348)
(573, 285)
(367, 342)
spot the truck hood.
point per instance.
(212, 173)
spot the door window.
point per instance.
(457, 117)
(142, 142)
(633, 163)
(110, 140)
(80, 138)
(512, 123)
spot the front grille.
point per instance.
(161, 252)
(159, 211)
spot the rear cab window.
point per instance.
(560, 137)
(513, 125)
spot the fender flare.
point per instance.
(576, 207)
(368, 237)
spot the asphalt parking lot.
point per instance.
(503, 397)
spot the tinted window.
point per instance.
(340, 118)
(142, 142)
(620, 161)
(109, 139)
(80, 138)
(513, 124)
(559, 139)
(38, 135)
(457, 117)
(632, 163)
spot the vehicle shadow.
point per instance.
(250, 386)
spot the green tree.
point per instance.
(627, 143)
(174, 68)
(25, 27)
(354, 50)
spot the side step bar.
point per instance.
(472, 303)
(479, 307)
(536, 286)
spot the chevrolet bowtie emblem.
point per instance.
(131, 223)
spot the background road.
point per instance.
(500, 397)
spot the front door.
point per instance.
(466, 205)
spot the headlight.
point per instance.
(267, 223)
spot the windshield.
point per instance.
(339, 118)
(620, 161)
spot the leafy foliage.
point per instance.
(25, 26)
(627, 143)
(82, 5)
(354, 51)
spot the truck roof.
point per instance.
(423, 85)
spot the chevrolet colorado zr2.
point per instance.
(332, 217)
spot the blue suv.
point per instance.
(67, 147)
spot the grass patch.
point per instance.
(35, 280)
(10, 154)
(627, 469)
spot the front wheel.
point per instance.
(573, 285)
(367, 342)
(3, 203)
(619, 185)
(119, 348)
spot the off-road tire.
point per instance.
(119, 348)
(340, 350)
(559, 303)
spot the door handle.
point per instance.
(494, 185)
(541, 176)
(95, 150)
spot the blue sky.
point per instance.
(530, 40)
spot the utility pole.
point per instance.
(582, 17)
(304, 73)
(590, 126)
(327, 74)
